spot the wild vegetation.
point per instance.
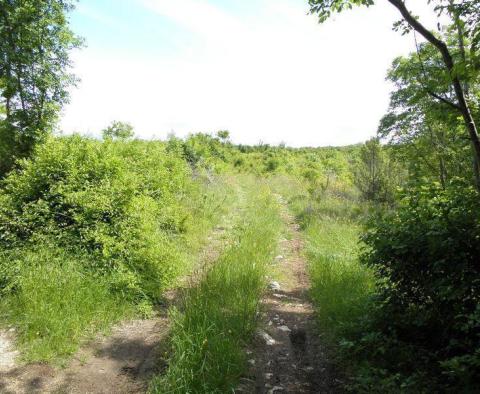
(127, 213)
(95, 231)
(218, 316)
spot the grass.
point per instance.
(56, 304)
(218, 317)
(56, 301)
(341, 287)
(206, 206)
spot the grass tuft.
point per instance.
(55, 304)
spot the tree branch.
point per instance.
(430, 92)
(443, 100)
(464, 108)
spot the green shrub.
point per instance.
(119, 202)
(426, 256)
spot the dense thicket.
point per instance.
(122, 204)
(124, 216)
(426, 253)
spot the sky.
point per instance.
(265, 70)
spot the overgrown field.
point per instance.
(93, 232)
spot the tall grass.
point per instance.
(218, 316)
(341, 287)
(55, 304)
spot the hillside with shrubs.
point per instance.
(96, 232)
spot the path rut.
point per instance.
(290, 358)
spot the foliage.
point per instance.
(428, 133)
(325, 8)
(218, 316)
(223, 135)
(377, 175)
(126, 216)
(35, 43)
(115, 205)
(118, 130)
(425, 256)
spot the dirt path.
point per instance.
(288, 356)
(123, 362)
(119, 363)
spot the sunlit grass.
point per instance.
(56, 304)
(56, 301)
(218, 316)
(341, 286)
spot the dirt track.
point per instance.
(287, 355)
(294, 360)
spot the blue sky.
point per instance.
(263, 69)
(113, 26)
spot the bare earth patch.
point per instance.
(288, 356)
(120, 363)
(7, 352)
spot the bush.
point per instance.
(120, 203)
(426, 257)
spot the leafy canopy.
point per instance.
(35, 44)
(325, 8)
(120, 130)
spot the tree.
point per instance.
(223, 135)
(465, 18)
(35, 43)
(376, 174)
(118, 130)
(427, 132)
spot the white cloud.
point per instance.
(201, 17)
(273, 76)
